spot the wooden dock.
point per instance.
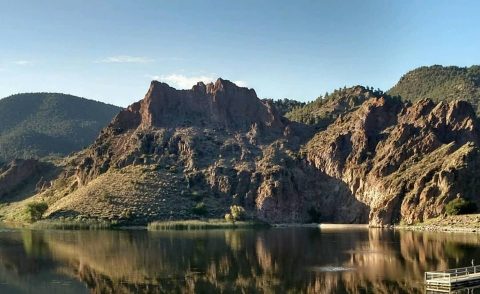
(453, 279)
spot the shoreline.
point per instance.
(445, 224)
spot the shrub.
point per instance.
(35, 210)
(200, 209)
(229, 218)
(237, 213)
(460, 206)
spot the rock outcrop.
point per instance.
(179, 154)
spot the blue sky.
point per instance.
(110, 50)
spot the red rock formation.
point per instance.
(221, 104)
(382, 162)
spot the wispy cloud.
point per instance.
(186, 82)
(23, 62)
(125, 59)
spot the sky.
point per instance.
(110, 50)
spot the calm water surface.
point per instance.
(280, 260)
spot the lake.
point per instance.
(275, 260)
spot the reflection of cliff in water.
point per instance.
(267, 261)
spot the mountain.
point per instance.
(183, 154)
(441, 83)
(42, 124)
(175, 150)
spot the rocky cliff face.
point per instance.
(180, 154)
(404, 161)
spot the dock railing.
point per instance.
(452, 275)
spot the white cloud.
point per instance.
(125, 59)
(23, 62)
(241, 83)
(186, 82)
(183, 82)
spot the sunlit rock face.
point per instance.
(404, 161)
(381, 161)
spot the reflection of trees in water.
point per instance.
(267, 261)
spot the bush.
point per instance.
(35, 210)
(229, 218)
(200, 209)
(237, 213)
(460, 206)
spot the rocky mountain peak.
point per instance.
(219, 105)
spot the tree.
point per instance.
(35, 210)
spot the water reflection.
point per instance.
(288, 260)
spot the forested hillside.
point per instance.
(42, 124)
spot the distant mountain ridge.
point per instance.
(43, 124)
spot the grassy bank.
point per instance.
(202, 225)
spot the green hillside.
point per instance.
(324, 110)
(441, 83)
(286, 105)
(42, 124)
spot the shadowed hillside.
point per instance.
(42, 124)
